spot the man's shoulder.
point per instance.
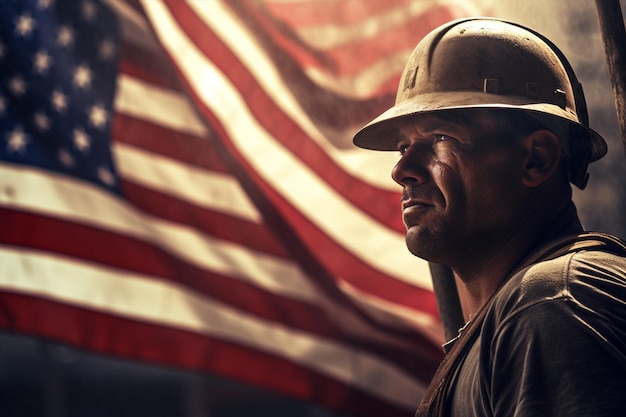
(588, 276)
(591, 256)
(561, 272)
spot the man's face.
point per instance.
(462, 185)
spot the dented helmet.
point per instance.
(492, 63)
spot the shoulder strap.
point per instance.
(433, 401)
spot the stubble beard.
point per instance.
(426, 243)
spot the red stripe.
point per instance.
(111, 335)
(148, 66)
(189, 149)
(290, 135)
(222, 226)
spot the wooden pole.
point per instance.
(614, 38)
(448, 303)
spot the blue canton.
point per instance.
(58, 67)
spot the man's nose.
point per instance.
(412, 166)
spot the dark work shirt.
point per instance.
(553, 343)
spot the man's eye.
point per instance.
(440, 137)
(403, 148)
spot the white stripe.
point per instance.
(157, 105)
(153, 300)
(212, 190)
(61, 197)
(372, 242)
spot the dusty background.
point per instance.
(573, 26)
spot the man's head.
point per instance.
(491, 63)
(473, 178)
(491, 124)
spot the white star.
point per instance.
(17, 85)
(24, 25)
(42, 62)
(44, 4)
(107, 49)
(82, 141)
(17, 141)
(82, 76)
(88, 10)
(98, 116)
(106, 176)
(42, 122)
(59, 101)
(66, 158)
(65, 36)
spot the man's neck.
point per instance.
(482, 279)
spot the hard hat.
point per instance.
(492, 63)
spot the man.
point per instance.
(491, 126)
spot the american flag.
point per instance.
(177, 186)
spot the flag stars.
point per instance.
(82, 76)
(98, 116)
(17, 140)
(59, 101)
(45, 4)
(88, 10)
(65, 36)
(66, 158)
(41, 121)
(81, 140)
(17, 86)
(24, 25)
(106, 50)
(42, 62)
(105, 175)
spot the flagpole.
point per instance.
(614, 37)
(447, 296)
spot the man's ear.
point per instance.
(543, 154)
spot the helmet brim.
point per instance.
(380, 133)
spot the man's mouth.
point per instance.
(414, 203)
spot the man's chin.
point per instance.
(420, 244)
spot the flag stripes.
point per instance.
(251, 240)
